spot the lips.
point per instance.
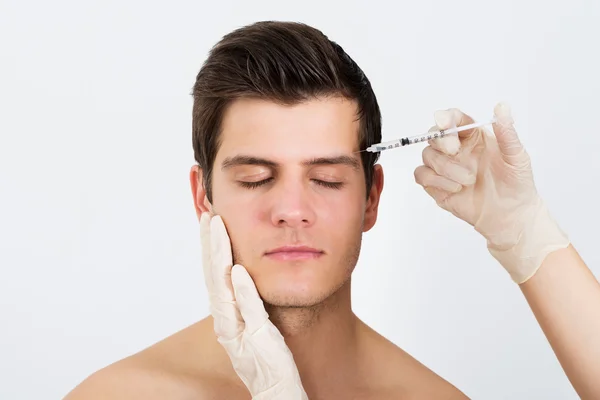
(292, 253)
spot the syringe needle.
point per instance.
(424, 137)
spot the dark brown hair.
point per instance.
(286, 62)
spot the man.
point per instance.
(281, 191)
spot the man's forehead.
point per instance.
(322, 132)
(262, 119)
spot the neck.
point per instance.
(323, 339)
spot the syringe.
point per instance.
(423, 137)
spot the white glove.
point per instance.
(486, 180)
(257, 350)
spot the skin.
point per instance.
(564, 296)
(295, 206)
(307, 201)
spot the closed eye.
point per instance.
(254, 185)
(330, 185)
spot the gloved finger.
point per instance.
(446, 119)
(248, 300)
(427, 177)
(509, 143)
(438, 195)
(444, 166)
(206, 249)
(227, 321)
(449, 144)
(221, 260)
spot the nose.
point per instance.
(292, 206)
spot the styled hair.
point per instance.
(284, 62)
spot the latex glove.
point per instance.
(486, 180)
(256, 348)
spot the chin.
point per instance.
(280, 297)
(298, 285)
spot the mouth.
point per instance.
(294, 253)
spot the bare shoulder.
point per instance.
(183, 366)
(125, 380)
(403, 376)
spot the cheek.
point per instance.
(240, 228)
(341, 214)
(240, 215)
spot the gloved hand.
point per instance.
(257, 350)
(486, 180)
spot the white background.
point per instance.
(99, 243)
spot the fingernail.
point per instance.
(240, 281)
(450, 186)
(455, 188)
(237, 270)
(449, 145)
(236, 281)
(444, 119)
(503, 114)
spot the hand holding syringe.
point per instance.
(424, 137)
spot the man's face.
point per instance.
(291, 191)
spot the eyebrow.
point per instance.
(238, 160)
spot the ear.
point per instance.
(373, 199)
(201, 203)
